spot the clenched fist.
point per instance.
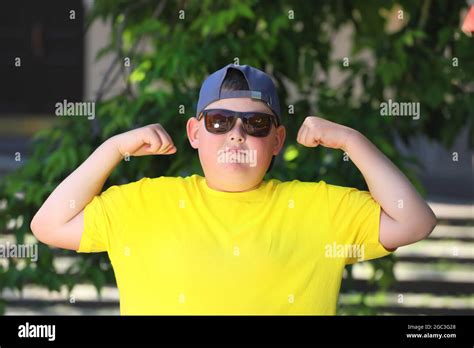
(148, 140)
(317, 131)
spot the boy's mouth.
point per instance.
(236, 150)
(237, 154)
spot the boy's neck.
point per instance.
(216, 188)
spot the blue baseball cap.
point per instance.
(261, 87)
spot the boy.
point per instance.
(231, 243)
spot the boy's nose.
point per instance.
(237, 133)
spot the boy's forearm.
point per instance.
(78, 189)
(387, 184)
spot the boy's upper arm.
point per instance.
(67, 236)
(390, 236)
(108, 215)
(356, 220)
(100, 221)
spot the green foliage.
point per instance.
(414, 63)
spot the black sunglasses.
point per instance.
(221, 121)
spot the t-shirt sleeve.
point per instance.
(105, 217)
(354, 217)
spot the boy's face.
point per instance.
(243, 168)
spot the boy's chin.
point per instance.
(235, 171)
(237, 167)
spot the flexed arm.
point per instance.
(60, 220)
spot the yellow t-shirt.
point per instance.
(180, 247)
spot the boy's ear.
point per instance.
(192, 130)
(280, 136)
